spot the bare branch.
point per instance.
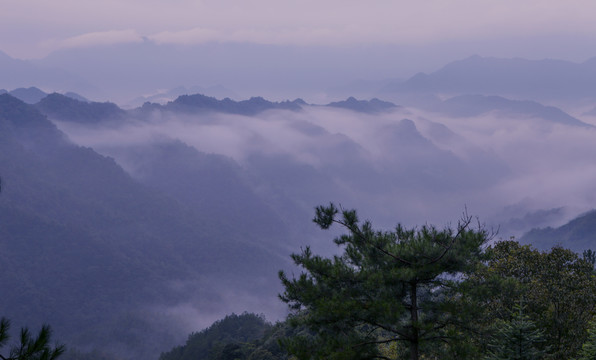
(461, 227)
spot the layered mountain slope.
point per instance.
(579, 234)
(475, 105)
(67, 108)
(29, 95)
(519, 78)
(372, 106)
(83, 243)
(252, 106)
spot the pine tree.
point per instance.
(387, 287)
(517, 339)
(29, 347)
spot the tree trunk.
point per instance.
(414, 320)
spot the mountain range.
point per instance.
(516, 78)
(577, 235)
(127, 72)
(77, 229)
(166, 216)
(477, 105)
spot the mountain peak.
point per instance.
(372, 106)
(474, 105)
(252, 106)
(31, 95)
(512, 77)
(66, 108)
(18, 113)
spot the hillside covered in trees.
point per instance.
(423, 293)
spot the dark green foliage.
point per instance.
(373, 106)
(201, 103)
(29, 347)
(589, 256)
(558, 288)
(588, 351)
(517, 339)
(475, 315)
(244, 337)
(386, 287)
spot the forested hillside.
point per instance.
(578, 234)
(77, 230)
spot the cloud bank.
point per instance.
(328, 23)
(407, 166)
(100, 38)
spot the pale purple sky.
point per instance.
(34, 28)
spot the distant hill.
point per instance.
(207, 183)
(74, 95)
(579, 234)
(519, 78)
(233, 329)
(474, 105)
(235, 336)
(252, 106)
(33, 95)
(75, 229)
(70, 108)
(63, 107)
(164, 97)
(372, 106)
(30, 95)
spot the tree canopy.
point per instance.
(387, 288)
(558, 289)
(236, 337)
(29, 347)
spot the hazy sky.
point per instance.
(555, 28)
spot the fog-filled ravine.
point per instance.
(515, 164)
(128, 227)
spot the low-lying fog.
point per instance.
(409, 166)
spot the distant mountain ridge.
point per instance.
(252, 106)
(74, 108)
(372, 106)
(30, 95)
(532, 79)
(578, 234)
(79, 69)
(33, 95)
(163, 97)
(67, 108)
(121, 244)
(474, 105)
